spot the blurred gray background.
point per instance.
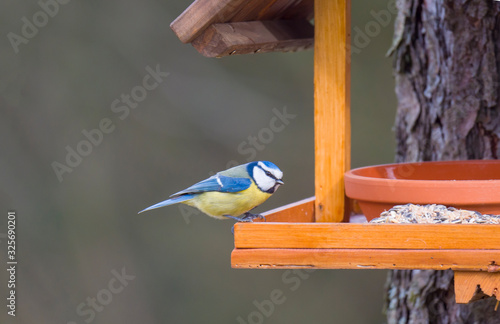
(84, 254)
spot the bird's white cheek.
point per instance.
(262, 180)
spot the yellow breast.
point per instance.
(218, 204)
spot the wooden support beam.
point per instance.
(472, 286)
(331, 106)
(465, 260)
(367, 236)
(255, 37)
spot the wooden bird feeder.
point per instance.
(311, 233)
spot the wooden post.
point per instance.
(331, 106)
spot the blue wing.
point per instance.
(217, 183)
(170, 201)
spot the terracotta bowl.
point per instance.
(473, 185)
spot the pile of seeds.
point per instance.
(433, 214)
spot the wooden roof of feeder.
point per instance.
(309, 233)
(225, 27)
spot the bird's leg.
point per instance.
(238, 219)
(247, 218)
(250, 217)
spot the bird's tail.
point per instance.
(168, 202)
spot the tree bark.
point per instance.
(446, 65)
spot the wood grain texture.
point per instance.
(467, 284)
(203, 13)
(225, 39)
(331, 107)
(275, 9)
(366, 236)
(464, 260)
(301, 211)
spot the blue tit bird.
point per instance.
(231, 193)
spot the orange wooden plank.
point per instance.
(331, 106)
(466, 284)
(464, 260)
(374, 236)
(301, 211)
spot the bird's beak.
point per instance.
(280, 182)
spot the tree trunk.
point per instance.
(446, 64)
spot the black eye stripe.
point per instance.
(269, 174)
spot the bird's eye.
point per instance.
(269, 174)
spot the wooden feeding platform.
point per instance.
(292, 239)
(311, 233)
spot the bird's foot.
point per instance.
(247, 218)
(233, 217)
(250, 217)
